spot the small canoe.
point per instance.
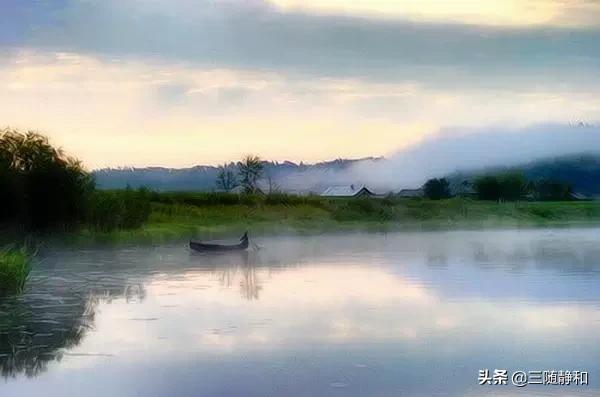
(203, 247)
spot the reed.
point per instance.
(15, 265)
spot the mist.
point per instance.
(457, 149)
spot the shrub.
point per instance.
(136, 208)
(126, 209)
(15, 265)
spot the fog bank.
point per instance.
(458, 149)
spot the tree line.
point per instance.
(510, 186)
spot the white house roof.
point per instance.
(344, 191)
(411, 193)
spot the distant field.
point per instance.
(210, 215)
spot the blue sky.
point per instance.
(202, 81)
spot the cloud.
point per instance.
(235, 77)
(258, 36)
(486, 12)
(180, 114)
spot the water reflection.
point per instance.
(53, 316)
(412, 314)
(30, 338)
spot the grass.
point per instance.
(15, 265)
(208, 215)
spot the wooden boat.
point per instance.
(203, 247)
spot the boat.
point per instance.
(204, 247)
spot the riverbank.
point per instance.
(183, 219)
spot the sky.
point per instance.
(184, 82)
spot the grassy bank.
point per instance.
(187, 215)
(15, 265)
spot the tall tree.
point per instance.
(250, 171)
(488, 188)
(40, 186)
(226, 178)
(437, 189)
(513, 186)
(510, 186)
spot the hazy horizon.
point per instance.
(579, 139)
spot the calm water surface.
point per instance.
(406, 314)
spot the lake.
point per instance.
(400, 314)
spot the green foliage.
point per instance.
(250, 171)
(548, 190)
(200, 199)
(204, 199)
(43, 189)
(513, 186)
(488, 188)
(437, 189)
(15, 265)
(124, 209)
(175, 221)
(508, 187)
(40, 187)
(293, 200)
(362, 209)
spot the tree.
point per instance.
(250, 171)
(510, 186)
(487, 188)
(437, 189)
(226, 179)
(40, 187)
(513, 186)
(546, 189)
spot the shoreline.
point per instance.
(299, 221)
(176, 221)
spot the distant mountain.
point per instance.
(287, 176)
(581, 171)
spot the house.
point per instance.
(411, 193)
(466, 192)
(347, 191)
(579, 197)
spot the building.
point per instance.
(347, 191)
(411, 193)
(579, 197)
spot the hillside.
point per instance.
(581, 171)
(287, 175)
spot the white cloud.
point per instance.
(487, 12)
(184, 114)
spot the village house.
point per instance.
(411, 193)
(347, 191)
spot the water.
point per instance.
(406, 314)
